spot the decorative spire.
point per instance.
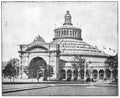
(39, 38)
(67, 18)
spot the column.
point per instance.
(73, 33)
(66, 73)
(104, 74)
(57, 34)
(78, 74)
(72, 76)
(85, 70)
(67, 33)
(60, 34)
(91, 74)
(28, 59)
(111, 77)
(76, 34)
(98, 75)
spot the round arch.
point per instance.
(69, 75)
(101, 74)
(75, 74)
(35, 65)
(108, 73)
(63, 74)
(82, 74)
(115, 74)
(95, 74)
(88, 73)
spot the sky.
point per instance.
(23, 21)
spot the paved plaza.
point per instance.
(87, 89)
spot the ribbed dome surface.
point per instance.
(76, 47)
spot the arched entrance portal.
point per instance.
(35, 66)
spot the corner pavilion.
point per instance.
(65, 54)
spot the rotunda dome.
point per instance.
(70, 42)
(67, 30)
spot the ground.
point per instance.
(60, 89)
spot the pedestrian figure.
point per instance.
(38, 75)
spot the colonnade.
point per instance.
(67, 33)
(95, 74)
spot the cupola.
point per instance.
(67, 30)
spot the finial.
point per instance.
(68, 12)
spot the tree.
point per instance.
(11, 69)
(80, 62)
(112, 62)
(48, 72)
(28, 71)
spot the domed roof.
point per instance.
(77, 47)
(70, 41)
